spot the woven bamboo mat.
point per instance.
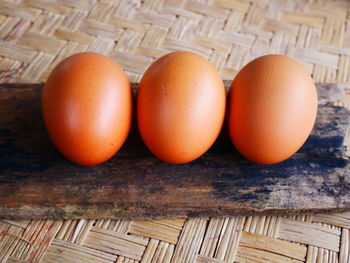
(36, 34)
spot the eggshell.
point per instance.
(87, 107)
(180, 107)
(272, 108)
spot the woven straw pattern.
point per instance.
(36, 34)
(307, 238)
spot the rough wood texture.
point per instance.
(37, 182)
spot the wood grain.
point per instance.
(37, 182)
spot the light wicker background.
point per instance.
(36, 34)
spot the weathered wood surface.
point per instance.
(37, 182)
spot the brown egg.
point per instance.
(272, 108)
(87, 107)
(180, 107)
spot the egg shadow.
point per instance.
(24, 142)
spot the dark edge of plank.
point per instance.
(37, 182)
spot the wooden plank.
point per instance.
(37, 182)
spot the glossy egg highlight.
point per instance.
(87, 107)
(180, 107)
(272, 108)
